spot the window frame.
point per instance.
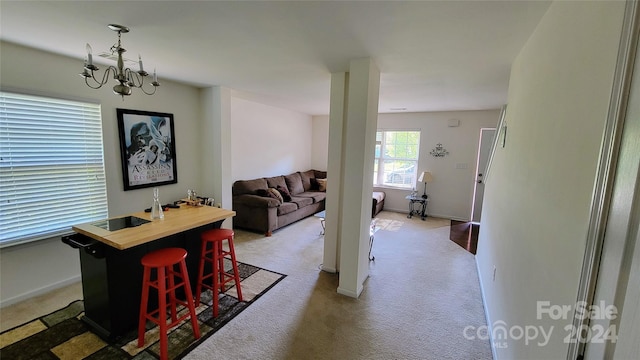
(379, 176)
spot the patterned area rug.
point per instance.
(62, 335)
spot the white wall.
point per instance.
(320, 143)
(451, 192)
(268, 141)
(27, 270)
(537, 198)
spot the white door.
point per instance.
(484, 148)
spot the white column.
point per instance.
(337, 114)
(216, 146)
(361, 109)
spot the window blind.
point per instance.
(51, 167)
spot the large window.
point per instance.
(396, 158)
(51, 167)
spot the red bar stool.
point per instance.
(164, 262)
(215, 255)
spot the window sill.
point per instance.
(389, 187)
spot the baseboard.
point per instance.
(40, 291)
(487, 316)
(440, 216)
(351, 293)
(403, 211)
(328, 269)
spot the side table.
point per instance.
(417, 206)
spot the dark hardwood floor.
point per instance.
(465, 234)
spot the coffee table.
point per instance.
(372, 230)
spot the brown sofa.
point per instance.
(257, 209)
(378, 203)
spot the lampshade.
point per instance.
(425, 177)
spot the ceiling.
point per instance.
(432, 55)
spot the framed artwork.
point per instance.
(147, 147)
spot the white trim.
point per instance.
(39, 291)
(487, 316)
(610, 147)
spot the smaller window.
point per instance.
(396, 158)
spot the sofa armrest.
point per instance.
(256, 201)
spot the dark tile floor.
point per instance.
(465, 234)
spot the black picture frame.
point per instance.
(147, 148)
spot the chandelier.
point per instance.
(126, 77)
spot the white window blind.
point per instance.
(51, 167)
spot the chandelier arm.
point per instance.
(133, 77)
(86, 81)
(136, 80)
(99, 83)
(148, 93)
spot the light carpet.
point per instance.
(63, 335)
(422, 291)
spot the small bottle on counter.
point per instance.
(156, 209)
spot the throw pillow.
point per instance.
(306, 177)
(322, 184)
(314, 184)
(286, 196)
(275, 194)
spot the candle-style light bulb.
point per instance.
(89, 55)
(155, 76)
(140, 63)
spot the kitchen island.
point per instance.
(110, 253)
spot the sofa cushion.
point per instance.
(294, 183)
(249, 186)
(284, 193)
(301, 201)
(317, 196)
(306, 177)
(286, 208)
(273, 182)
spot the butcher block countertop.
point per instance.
(175, 221)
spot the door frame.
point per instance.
(595, 266)
(478, 170)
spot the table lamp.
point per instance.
(425, 177)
